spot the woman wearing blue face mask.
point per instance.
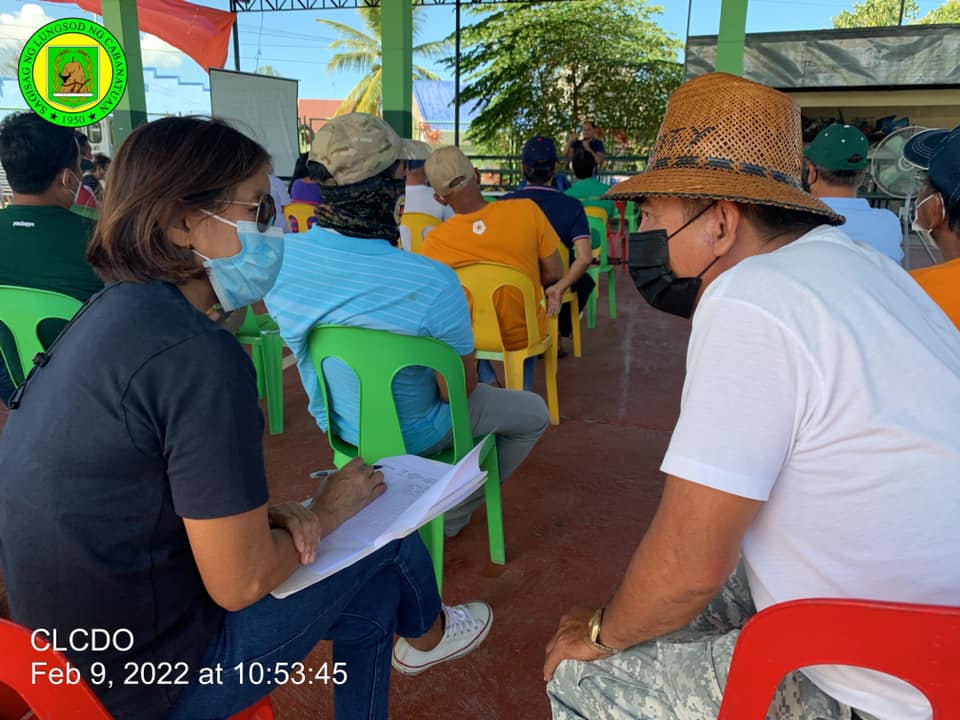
(133, 499)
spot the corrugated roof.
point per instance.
(435, 100)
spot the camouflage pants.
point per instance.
(680, 676)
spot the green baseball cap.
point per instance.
(357, 146)
(838, 147)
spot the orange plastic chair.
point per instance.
(916, 643)
(21, 696)
(300, 216)
(482, 281)
(417, 225)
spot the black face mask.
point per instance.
(649, 264)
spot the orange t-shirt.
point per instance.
(942, 283)
(511, 232)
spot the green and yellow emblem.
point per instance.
(72, 72)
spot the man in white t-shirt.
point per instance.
(419, 193)
(815, 454)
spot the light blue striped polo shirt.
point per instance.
(329, 278)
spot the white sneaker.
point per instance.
(467, 626)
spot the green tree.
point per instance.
(361, 52)
(949, 12)
(877, 13)
(544, 67)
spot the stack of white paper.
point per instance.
(418, 490)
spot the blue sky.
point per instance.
(295, 45)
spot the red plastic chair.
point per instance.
(916, 643)
(22, 697)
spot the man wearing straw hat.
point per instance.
(804, 462)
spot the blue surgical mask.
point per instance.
(246, 277)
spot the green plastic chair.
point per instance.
(22, 310)
(598, 232)
(262, 334)
(376, 356)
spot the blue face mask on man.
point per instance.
(246, 277)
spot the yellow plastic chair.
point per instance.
(300, 216)
(570, 297)
(375, 357)
(482, 281)
(418, 225)
(599, 213)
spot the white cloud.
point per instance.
(159, 53)
(17, 27)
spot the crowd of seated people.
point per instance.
(801, 465)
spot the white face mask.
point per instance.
(925, 233)
(76, 193)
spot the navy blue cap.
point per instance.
(539, 151)
(938, 151)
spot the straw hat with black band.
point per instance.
(726, 138)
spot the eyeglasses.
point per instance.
(266, 210)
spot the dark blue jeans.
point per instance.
(360, 608)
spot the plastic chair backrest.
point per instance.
(300, 216)
(376, 356)
(418, 224)
(916, 643)
(50, 701)
(482, 281)
(597, 212)
(598, 237)
(22, 310)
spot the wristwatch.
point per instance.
(594, 635)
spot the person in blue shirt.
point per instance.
(833, 169)
(568, 218)
(348, 270)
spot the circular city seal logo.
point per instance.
(72, 72)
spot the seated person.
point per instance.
(93, 180)
(833, 169)
(936, 213)
(120, 509)
(588, 141)
(347, 270)
(587, 188)
(567, 216)
(419, 197)
(42, 243)
(514, 233)
(302, 187)
(815, 454)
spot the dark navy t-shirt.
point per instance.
(146, 413)
(565, 213)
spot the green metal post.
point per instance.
(733, 29)
(396, 23)
(120, 18)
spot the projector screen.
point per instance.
(263, 107)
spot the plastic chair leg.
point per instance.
(494, 506)
(272, 349)
(612, 293)
(592, 301)
(575, 326)
(550, 372)
(256, 357)
(432, 536)
(513, 370)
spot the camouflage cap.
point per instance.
(448, 169)
(357, 146)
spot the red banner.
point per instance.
(201, 32)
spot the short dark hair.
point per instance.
(101, 161)
(539, 175)
(163, 169)
(769, 220)
(33, 152)
(840, 178)
(583, 163)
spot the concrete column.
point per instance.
(730, 40)
(120, 18)
(396, 39)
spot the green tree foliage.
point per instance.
(949, 12)
(361, 52)
(544, 67)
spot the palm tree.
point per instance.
(361, 51)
